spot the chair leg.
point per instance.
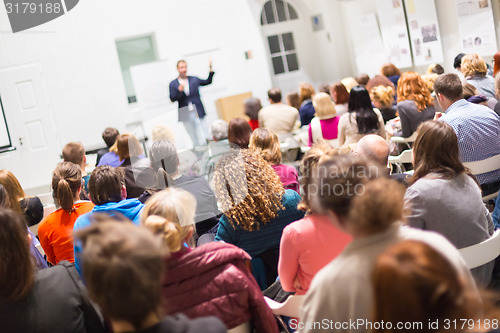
(282, 323)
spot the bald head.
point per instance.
(374, 148)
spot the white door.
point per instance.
(27, 110)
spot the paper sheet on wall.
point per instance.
(394, 34)
(424, 32)
(368, 45)
(476, 27)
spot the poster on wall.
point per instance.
(394, 34)
(424, 32)
(368, 45)
(476, 27)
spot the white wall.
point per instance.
(81, 69)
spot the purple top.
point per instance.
(329, 129)
(110, 159)
(288, 176)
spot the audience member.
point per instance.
(362, 79)
(165, 163)
(374, 148)
(293, 99)
(266, 143)
(74, 152)
(427, 283)
(349, 83)
(340, 96)
(361, 119)
(108, 193)
(309, 244)
(278, 117)
(475, 72)
(415, 104)
(325, 125)
(111, 158)
(380, 80)
(219, 130)
(444, 197)
(37, 256)
(252, 107)
(123, 268)
(476, 126)
(238, 133)
(30, 207)
(109, 136)
(324, 88)
(435, 69)
(56, 230)
(471, 94)
(306, 110)
(51, 300)
(215, 272)
(383, 99)
(496, 67)
(162, 132)
(457, 64)
(138, 174)
(391, 72)
(497, 92)
(255, 205)
(368, 207)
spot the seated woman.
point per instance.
(361, 118)
(51, 300)
(306, 110)
(255, 205)
(428, 284)
(472, 95)
(309, 244)
(476, 73)
(30, 207)
(415, 103)
(238, 133)
(383, 99)
(266, 143)
(56, 230)
(390, 71)
(212, 279)
(138, 174)
(444, 197)
(326, 123)
(340, 96)
(252, 107)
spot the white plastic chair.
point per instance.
(404, 157)
(405, 141)
(483, 166)
(243, 328)
(482, 253)
(289, 308)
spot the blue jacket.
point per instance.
(193, 97)
(269, 235)
(130, 208)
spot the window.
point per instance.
(131, 52)
(277, 11)
(283, 55)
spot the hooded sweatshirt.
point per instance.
(130, 208)
(213, 280)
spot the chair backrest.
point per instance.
(289, 308)
(409, 139)
(482, 253)
(404, 157)
(483, 166)
(243, 328)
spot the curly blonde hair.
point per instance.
(265, 142)
(412, 87)
(473, 64)
(248, 189)
(383, 94)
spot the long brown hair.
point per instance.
(128, 146)
(16, 264)
(436, 151)
(412, 275)
(248, 189)
(66, 181)
(339, 93)
(412, 87)
(13, 188)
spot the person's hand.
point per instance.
(438, 115)
(181, 86)
(210, 63)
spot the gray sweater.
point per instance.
(453, 208)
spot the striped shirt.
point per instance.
(478, 131)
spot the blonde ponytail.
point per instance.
(172, 233)
(385, 95)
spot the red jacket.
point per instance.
(213, 280)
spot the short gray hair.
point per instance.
(163, 154)
(219, 129)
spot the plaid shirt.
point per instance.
(478, 131)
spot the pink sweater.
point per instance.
(329, 129)
(288, 176)
(306, 247)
